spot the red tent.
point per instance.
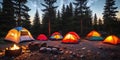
(42, 37)
(71, 37)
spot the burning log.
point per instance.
(13, 51)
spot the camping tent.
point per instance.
(18, 34)
(112, 39)
(42, 37)
(74, 33)
(71, 38)
(94, 35)
(56, 36)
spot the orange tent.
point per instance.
(112, 39)
(93, 33)
(71, 38)
(42, 37)
(56, 36)
(19, 34)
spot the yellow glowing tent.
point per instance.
(112, 39)
(18, 34)
(71, 38)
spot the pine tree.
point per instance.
(95, 21)
(100, 25)
(50, 13)
(21, 12)
(63, 12)
(109, 15)
(58, 15)
(83, 16)
(58, 22)
(36, 25)
(71, 9)
(100, 22)
(7, 20)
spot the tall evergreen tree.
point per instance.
(58, 15)
(67, 15)
(21, 12)
(71, 9)
(95, 21)
(83, 13)
(100, 22)
(7, 20)
(63, 12)
(50, 13)
(12, 12)
(100, 25)
(109, 15)
(36, 25)
(58, 22)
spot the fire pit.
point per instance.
(13, 51)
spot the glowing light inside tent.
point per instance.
(12, 34)
(57, 36)
(69, 36)
(109, 38)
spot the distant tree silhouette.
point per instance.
(36, 30)
(49, 15)
(21, 11)
(109, 15)
(67, 18)
(100, 25)
(12, 12)
(83, 16)
(6, 17)
(95, 22)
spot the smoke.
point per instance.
(91, 2)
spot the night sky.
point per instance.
(96, 6)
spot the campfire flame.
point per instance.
(15, 47)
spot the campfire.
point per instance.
(14, 47)
(13, 51)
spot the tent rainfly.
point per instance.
(71, 37)
(94, 35)
(19, 34)
(112, 39)
(56, 36)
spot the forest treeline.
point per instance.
(76, 16)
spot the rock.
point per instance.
(88, 51)
(44, 45)
(43, 49)
(63, 58)
(83, 48)
(100, 47)
(70, 52)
